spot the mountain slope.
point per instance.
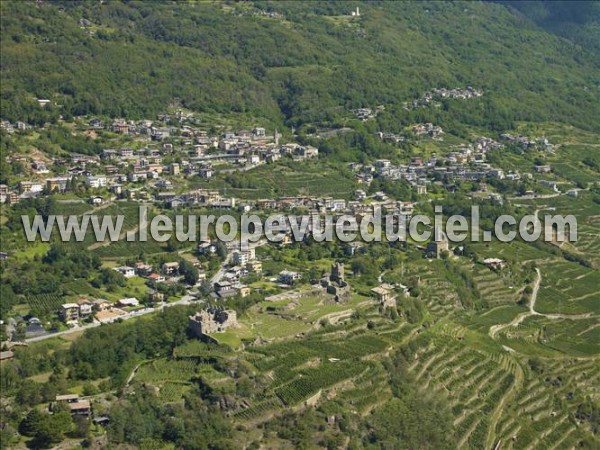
(578, 21)
(304, 62)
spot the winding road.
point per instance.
(495, 329)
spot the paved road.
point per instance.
(185, 300)
(217, 276)
(221, 273)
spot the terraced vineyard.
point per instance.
(440, 295)
(307, 369)
(498, 401)
(568, 288)
(493, 287)
(368, 390)
(474, 382)
(309, 382)
(260, 409)
(161, 370)
(171, 392)
(286, 179)
(173, 377)
(543, 413)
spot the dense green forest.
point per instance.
(305, 63)
(578, 21)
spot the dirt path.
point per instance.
(534, 294)
(495, 329)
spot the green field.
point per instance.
(289, 179)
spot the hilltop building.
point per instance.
(335, 283)
(385, 295)
(212, 320)
(435, 248)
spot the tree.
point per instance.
(221, 250)
(82, 426)
(418, 421)
(30, 424)
(89, 389)
(52, 428)
(189, 272)
(29, 393)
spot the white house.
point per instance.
(259, 132)
(126, 271)
(288, 277)
(129, 302)
(97, 181)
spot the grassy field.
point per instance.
(287, 318)
(289, 179)
(36, 249)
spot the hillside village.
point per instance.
(142, 174)
(167, 155)
(446, 117)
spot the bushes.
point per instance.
(112, 350)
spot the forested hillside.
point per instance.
(578, 21)
(290, 62)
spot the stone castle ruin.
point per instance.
(212, 320)
(335, 284)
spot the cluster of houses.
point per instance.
(243, 262)
(168, 273)
(10, 128)
(100, 309)
(133, 173)
(467, 162)
(427, 129)
(437, 94)
(258, 13)
(526, 143)
(392, 138)
(116, 170)
(365, 114)
(105, 311)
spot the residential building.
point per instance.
(170, 268)
(30, 186)
(69, 312)
(85, 308)
(254, 266)
(288, 277)
(385, 295)
(126, 271)
(128, 302)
